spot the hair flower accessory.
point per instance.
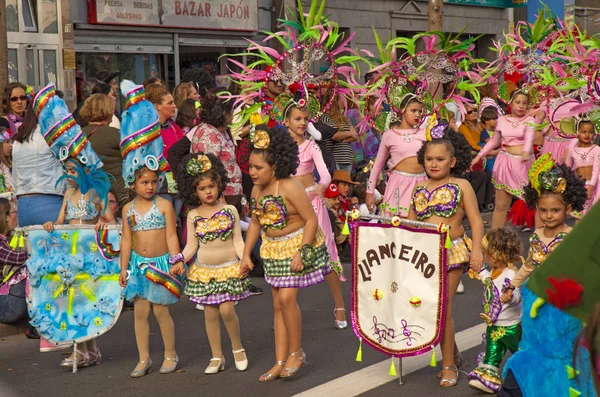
(198, 165)
(543, 174)
(302, 102)
(261, 139)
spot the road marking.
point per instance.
(376, 375)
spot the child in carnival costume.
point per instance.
(501, 248)
(86, 181)
(558, 299)
(149, 229)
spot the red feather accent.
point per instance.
(567, 292)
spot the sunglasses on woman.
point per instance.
(21, 98)
(471, 111)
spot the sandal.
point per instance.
(268, 377)
(449, 382)
(457, 363)
(294, 371)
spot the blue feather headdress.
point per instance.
(141, 142)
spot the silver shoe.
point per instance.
(83, 360)
(339, 324)
(210, 370)
(165, 370)
(138, 373)
(294, 370)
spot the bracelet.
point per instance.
(176, 258)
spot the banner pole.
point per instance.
(400, 371)
(75, 358)
(405, 222)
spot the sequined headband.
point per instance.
(197, 165)
(261, 139)
(494, 253)
(585, 118)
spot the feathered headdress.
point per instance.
(62, 134)
(543, 174)
(141, 142)
(420, 74)
(306, 41)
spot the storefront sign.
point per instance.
(189, 14)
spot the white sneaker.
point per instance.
(200, 307)
(461, 288)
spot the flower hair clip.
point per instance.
(553, 181)
(543, 174)
(198, 165)
(261, 139)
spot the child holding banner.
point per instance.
(149, 246)
(293, 246)
(554, 191)
(501, 248)
(444, 198)
(215, 237)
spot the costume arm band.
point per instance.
(176, 258)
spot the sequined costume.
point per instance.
(503, 327)
(84, 210)
(538, 251)
(213, 279)
(578, 157)
(278, 252)
(444, 201)
(149, 277)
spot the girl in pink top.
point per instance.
(400, 143)
(584, 160)
(309, 155)
(514, 133)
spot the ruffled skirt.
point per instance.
(216, 284)
(557, 147)
(510, 173)
(277, 254)
(149, 279)
(460, 254)
(398, 192)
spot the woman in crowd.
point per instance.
(106, 89)
(188, 114)
(164, 103)
(14, 103)
(339, 143)
(13, 274)
(185, 91)
(98, 110)
(212, 136)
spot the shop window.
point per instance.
(29, 66)
(49, 17)
(29, 16)
(13, 65)
(12, 16)
(49, 75)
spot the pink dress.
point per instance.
(578, 157)
(510, 172)
(310, 156)
(556, 145)
(398, 145)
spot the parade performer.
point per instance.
(501, 248)
(445, 198)
(293, 246)
(215, 238)
(150, 254)
(555, 354)
(408, 86)
(85, 179)
(306, 39)
(584, 160)
(554, 190)
(296, 118)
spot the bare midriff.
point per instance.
(409, 165)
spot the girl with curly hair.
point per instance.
(214, 236)
(446, 156)
(296, 121)
(293, 248)
(515, 134)
(401, 144)
(501, 248)
(554, 191)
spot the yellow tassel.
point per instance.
(359, 353)
(393, 368)
(14, 241)
(433, 362)
(539, 302)
(448, 241)
(571, 372)
(346, 229)
(21, 241)
(74, 238)
(574, 392)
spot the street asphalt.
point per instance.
(24, 372)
